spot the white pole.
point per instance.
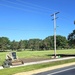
(54, 32)
(54, 35)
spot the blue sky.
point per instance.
(27, 19)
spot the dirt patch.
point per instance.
(26, 60)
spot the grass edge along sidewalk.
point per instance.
(33, 72)
(11, 71)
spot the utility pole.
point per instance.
(55, 32)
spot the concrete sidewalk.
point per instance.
(39, 62)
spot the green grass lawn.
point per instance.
(36, 54)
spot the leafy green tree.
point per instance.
(71, 39)
(25, 42)
(41, 45)
(4, 43)
(61, 42)
(14, 45)
(31, 44)
(21, 45)
(34, 44)
(48, 42)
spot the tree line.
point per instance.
(38, 44)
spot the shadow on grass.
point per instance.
(63, 55)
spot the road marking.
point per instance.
(61, 71)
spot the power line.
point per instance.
(27, 10)
(41, 7)
(35, 5)
(15, 7)
(19, 4)
(34, 8)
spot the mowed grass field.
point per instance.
(36, 54)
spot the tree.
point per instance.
(38, 44)
(34, 44)
(14, 45)
(25, 42)
(4, 43)
(21, 45)
(48, 42)
(61, 41)
(71, 39)
(31, 44)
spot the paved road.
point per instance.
(62, 71)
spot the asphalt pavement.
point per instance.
(70, 70)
